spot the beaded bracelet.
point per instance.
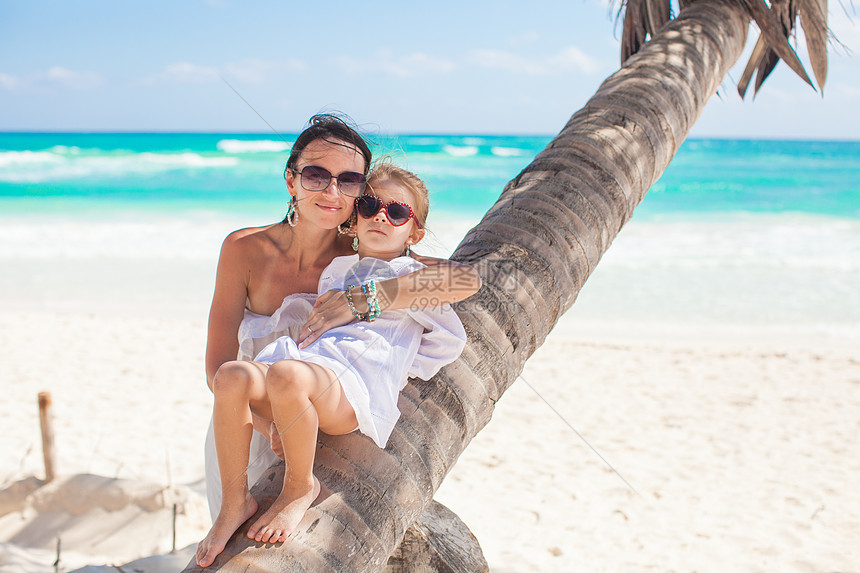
(373, 309)
(355, 313)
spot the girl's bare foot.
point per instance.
(286, 512)
(228, 521)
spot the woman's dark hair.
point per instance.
(336, 129)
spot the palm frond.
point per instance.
(633, 32)
(642, 19)
(765, 67)
(765, 60)
(813, 20)
(786, 14)
(659, 12)
(756, 58)
(774, 34)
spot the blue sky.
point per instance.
(477, 67)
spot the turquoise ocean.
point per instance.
(736, 232)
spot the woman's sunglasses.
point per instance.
(398, 213)
(316, 178)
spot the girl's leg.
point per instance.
(304, 398)
(238, 386)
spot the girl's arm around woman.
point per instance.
(442, 281)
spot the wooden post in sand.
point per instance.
(47, 434)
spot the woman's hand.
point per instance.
(275, 438)
(330, 310)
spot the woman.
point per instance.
(259, 267)
(348, 380)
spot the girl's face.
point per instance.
(328, 208)
(377, 237)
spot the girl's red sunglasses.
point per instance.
(398, 213)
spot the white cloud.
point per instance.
(186, 72)
(412, 64)
(572, 58)
(72, 79)
(383, 61)
(259, 71)
(9, 83)
(246, 71)
(568, 59)
(52, 78)
(419, 63)
(497, 59)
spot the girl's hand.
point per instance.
(275, 438)
(330, 310)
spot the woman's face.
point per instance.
(377, 237)
(327, 208)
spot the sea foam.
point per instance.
(460, 151)
(252, 146)
(66, 163)
(506, 151)
(187, 159)
(17, 158)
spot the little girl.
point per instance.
(348, 379)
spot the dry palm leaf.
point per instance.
(772, 30)
(633, 31)
(786, 14)
(642, 19)
(659, 12)
(756, 58)
(813, 19)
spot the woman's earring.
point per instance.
(345, 227)
(292, 213)
(355, 243)
(408, 250)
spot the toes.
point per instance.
(204, 560)
(262, 535)
(255, 529)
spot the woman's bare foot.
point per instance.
(228, 521)
(286, 512)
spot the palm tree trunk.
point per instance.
(535, 247)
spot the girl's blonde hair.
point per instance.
(385, 170)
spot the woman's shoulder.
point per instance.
(239, 235)
(249, 240)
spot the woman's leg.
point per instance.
(304, 398)
(238, 386)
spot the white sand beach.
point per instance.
(741, 441)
